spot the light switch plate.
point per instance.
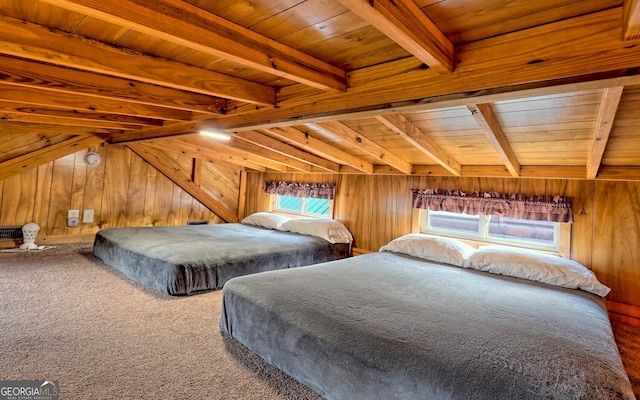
(73, 214)
(87, 217)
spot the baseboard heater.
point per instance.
(11, 233)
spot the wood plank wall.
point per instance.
(123, 190)
(126, 191)
(377, 209)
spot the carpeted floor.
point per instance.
(65, 316)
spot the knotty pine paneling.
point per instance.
(221, 183)
(616, 254)
(60, 198)
(137, 191)
(20, 205)
(163, 200)
(255, 198)
(114, 194)
(354, 207)
(123, 190)
(377, 209)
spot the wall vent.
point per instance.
(198, 222)
(11, 233)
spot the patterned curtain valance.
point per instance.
(537, 208)
(315, 190)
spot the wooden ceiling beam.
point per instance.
(64, 122)
(7, 127)
(35, 42)
(204, 154)
(499, 171)
(606, 115)
(405, 23)
(269, 154)
(55, 79)
(574, 172)
(47, 154)
(531, 62)
(239, 150)
(165, 132)
(320, 148)
(229, 150)
(10, 107)
(71, 101)
(17, 145)
(179, 22)
(344, 132)
(171, 170)
(631, 20)
(288, 150)
(419, 139)
(488, 123)
(619, 173)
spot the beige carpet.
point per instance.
(65, 316)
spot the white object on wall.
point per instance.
(92, 158)
(87, 216)
(29, 233)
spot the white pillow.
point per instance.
(328, 229)
(432, 248)
(265, 220)
(535, 266)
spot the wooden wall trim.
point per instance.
(51, 240)
(626, 313)
(624, 309)
(60, 239)
(242, 195)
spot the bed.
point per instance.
(185, 260)
(422, 322)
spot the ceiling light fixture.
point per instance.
(216, 135)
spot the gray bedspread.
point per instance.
(182, 260)
(388, 326)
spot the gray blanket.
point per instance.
(182, 260)
(388, 326)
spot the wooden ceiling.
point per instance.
(496, 88)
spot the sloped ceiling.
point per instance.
(546, 89)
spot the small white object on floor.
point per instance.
(29, 232)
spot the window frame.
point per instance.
(274, 201)
(562, 234)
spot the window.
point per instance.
(302, 206)
(540, 235)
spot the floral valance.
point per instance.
(517, 205)
(315, 190)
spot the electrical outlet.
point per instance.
(73, 214)
(87, 217)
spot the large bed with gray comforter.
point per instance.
(392, 326)
(184, 260)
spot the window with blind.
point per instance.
(302, 206)
(540, 235)
(310, 199)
